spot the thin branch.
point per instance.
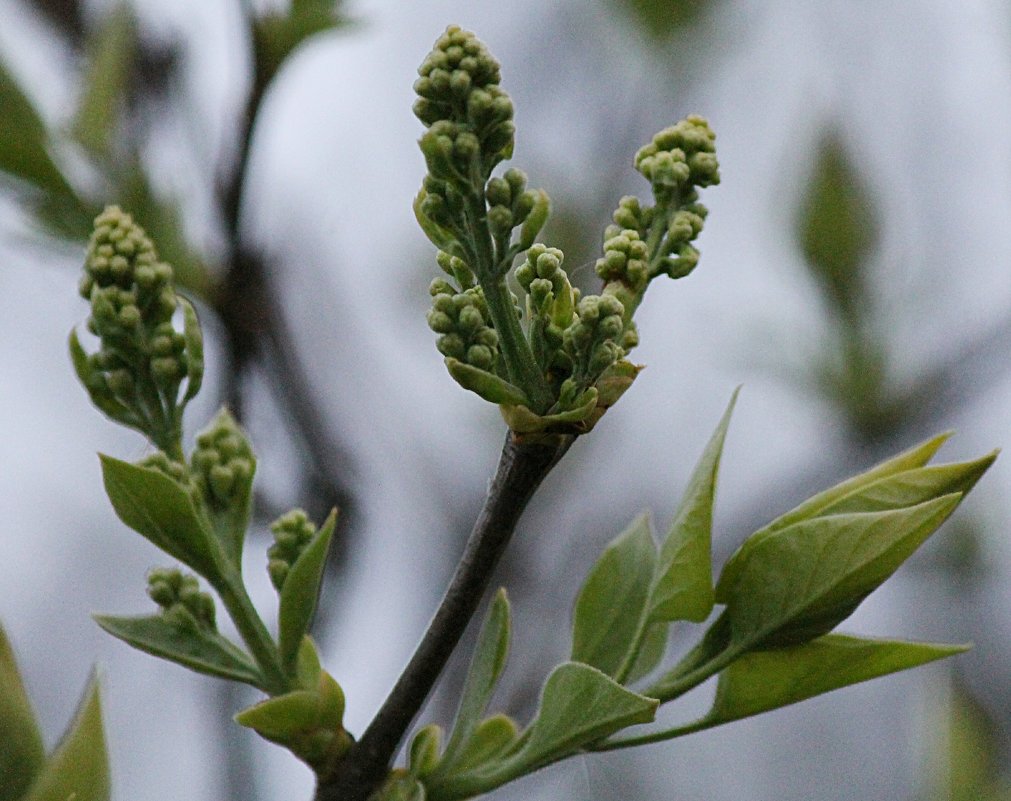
(522, 467)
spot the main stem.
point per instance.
(521, 469)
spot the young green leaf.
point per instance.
(400, 787)
(579, 705)
(282, 717)
(764, 680)
(683, 589)
(424, 751)
(22, 753)
(911, 487)
(485, 668)
(193, 647)
(838, 229)
(487, 385)
(301, 591)
(492, 737)
(111, 50)
(817, 505)
(802, 581)
(612, 602)
(160, 509)
(79, 767)
(24, 145)
(194, 349)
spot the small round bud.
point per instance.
(500, 220)
(439, 322)
(451, 345)
(480, 356)
(498, 192)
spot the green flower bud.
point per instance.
(500, 221)
(517, 180)
(498, 192)
(451, 345)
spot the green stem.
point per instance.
(521, 365)
(522, 468)
(658, 736)
(254, 634)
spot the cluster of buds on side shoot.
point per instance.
(181, 600)
(145, 370)
(222, 466)
(562, 368)
(293, 532)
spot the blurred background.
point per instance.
(855, 278)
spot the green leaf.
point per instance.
(487, 385)
(801, 582)
(579, 705)
(523, 421)
(277, 35)
(486, 667)
(282, 717)
(194, 350)
(913, 486)
(493, 737)
(764, 680)
(400, 787)
(193, 647)
(441, 237)
(662, 18)
(683, 589)
(111, 50)
(24, 141)
(817, 505)
(79, 767)
(424, 751)
(22, 753)
(160, 509)
(838, 230)
(535, 221)
(300, 592)
(612, 602)
(651, 652)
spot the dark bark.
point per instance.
(522, 467)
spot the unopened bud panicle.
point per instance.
(647, 241)
(222, 464)
(143, 361)
(571, 350)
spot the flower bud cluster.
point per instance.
(142, 359)
(179, 596)
(163, 464)
(461, 319)
(593, 339)
(468, 115)
(222, 464)
(293, 532)
(680, 157)
(550, 303)
(647, 241)
(626, 259)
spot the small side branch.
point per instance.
(522, 467)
